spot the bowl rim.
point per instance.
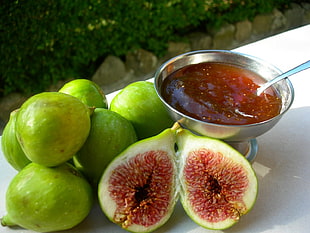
(178, 57)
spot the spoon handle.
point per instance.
(295, 70)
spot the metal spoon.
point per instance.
(295, 70)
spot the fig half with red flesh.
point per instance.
(138, 190)
(218, 185)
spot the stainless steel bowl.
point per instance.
(236, 135)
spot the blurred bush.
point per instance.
(44, 41)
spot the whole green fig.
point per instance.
(87, 91)
(109, 135)
(139, 103)
(47, 199)
(51, 127)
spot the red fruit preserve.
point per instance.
(220, 93)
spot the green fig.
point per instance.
(87, 91)
(218, 184)
(109, 135)
(11, 148)
(138, 190)
(139, 103)
(47, 199)
(51, 127)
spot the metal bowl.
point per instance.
(236, 135)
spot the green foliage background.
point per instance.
(44, 41)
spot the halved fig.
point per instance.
(218, 185)
(138, 190)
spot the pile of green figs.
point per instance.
(71, 148)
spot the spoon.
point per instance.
(295, 70)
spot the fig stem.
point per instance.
(6, 221)
(91, 110)
(176, 126)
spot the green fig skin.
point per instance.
(51, 127)
(109, 135)
(47, 199)
(139, 103)
(11, 148)
(87, 91)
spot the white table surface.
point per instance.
(282, 163)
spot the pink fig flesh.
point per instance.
(218, 183)
(138, 188)
(142, 199)
(215, 186)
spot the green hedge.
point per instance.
(46, 41)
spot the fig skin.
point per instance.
(123, 201)
(139, 103)
(234, 189)
(47, 199)
(51, 127)
(109, 135)
(11, 148)
(87, 91)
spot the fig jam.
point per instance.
(220, 93)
